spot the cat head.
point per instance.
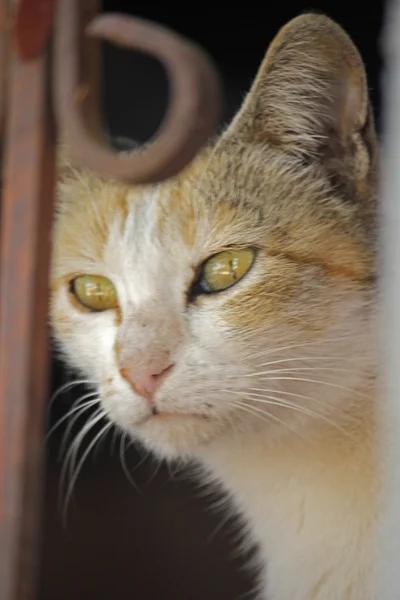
(236, 297)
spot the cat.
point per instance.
(227, 315)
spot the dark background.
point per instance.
(164, 541)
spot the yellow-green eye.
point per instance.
(95, 292)
(224, 269)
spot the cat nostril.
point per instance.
(163, 372)
(145, 383)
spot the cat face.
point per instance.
(238, 296)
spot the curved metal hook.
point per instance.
(191, 118)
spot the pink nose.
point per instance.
(145, 383)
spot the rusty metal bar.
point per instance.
(25, 249)
(3, 64)
(28, 150)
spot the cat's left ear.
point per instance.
(310, 96)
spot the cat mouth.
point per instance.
(171, 415)
(165, 416)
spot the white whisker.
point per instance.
(323, 340)
(63, 389)
(143, 459)
(299, 369)
(81, 462)
(122, 450)
(70, 458)
(256, 411)
(74, 448)
(317, 381)
(114, 440)
(264, 391)
(156, 470)
(309, 359)
(97, 447)
(276, 401)
(81, 408)
(72, 421)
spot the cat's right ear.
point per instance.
(310, 94)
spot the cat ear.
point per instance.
(310, 95)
